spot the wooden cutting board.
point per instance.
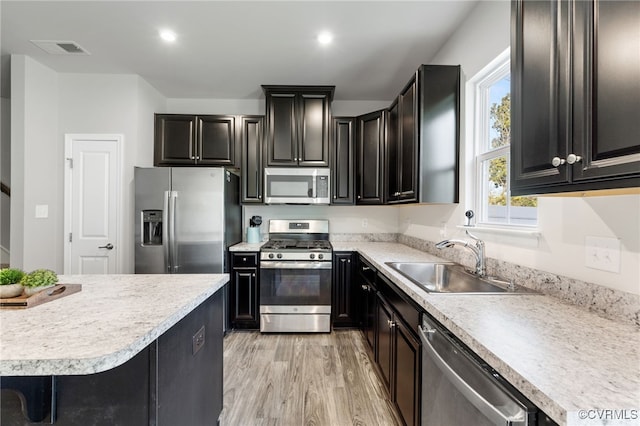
(56, 292)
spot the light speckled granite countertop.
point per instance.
(112, 319)
(562, 357)
(246, 246)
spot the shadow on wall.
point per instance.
(429, 215)
(621, 215)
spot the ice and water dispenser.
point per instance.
(152, 227)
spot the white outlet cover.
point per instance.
(602, 253)
(42, 211)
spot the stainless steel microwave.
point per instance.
(301, 185)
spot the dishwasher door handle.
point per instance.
(472, 395)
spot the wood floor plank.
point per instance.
(302, 379)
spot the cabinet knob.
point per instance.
(557, 161)
(193, 158)
(253, 275)
(334, 197)
(343, 260)
(244, 259)
(359, 197)
(197, 157)
(572, 159)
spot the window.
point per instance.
(494, 204)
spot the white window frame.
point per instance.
(478, 92)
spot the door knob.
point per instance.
(109, 246)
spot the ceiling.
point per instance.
(227, 49)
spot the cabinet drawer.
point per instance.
(245, 259)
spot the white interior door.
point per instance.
(91, 203)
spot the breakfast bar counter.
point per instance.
(140, 345)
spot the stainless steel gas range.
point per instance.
(295, 277)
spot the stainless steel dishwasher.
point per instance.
(459, 389)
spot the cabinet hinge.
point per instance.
(70, 160)
(70, 237)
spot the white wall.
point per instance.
(5, 177)
(563, 222)
(36, 166)
(47, 105)
(342, 219)
(257, 106)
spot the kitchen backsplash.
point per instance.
(610, 303)
(605, 301)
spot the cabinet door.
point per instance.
(282, 137)
(251, 134)
(406, 387)
(243, 291)
(313, 135)
(216, 140)
(244, 298)
(408, 150)
(606, 90)
(384, 340)
(370, 174)
(391, 153)
(540, 106)
(343, 160)
(343, 309)
(174, 142)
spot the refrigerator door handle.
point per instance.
(172, 230)
(165, 231)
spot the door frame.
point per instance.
(69, 138)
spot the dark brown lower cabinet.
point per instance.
(343, 305)
(243, 291)
(398, 356)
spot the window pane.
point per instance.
(496, 187)
(500, 113)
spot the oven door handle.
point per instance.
(294, 265)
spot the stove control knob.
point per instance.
(279, 255)
(320, 256)
(312, 256)
(270, 255)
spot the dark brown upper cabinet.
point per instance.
(298, 120)
(371, 134)
(251, 142)
(401, 150)
(576, 95)
(438, 168)
(203, 140)
(343, 160)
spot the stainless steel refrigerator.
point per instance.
(185, 219)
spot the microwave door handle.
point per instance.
(314, 191)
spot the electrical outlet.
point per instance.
(602, 253)
(42, 211)
(365, 223)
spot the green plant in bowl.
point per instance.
(10, 282)
(38, 280)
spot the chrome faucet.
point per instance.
(477, 249)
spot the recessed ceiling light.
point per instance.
(325, 38)
(168, 36)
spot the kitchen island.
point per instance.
(127, 349)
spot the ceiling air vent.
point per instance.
(57, 47)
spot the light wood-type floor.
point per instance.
(302, 379)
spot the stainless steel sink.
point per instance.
(453, 278)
